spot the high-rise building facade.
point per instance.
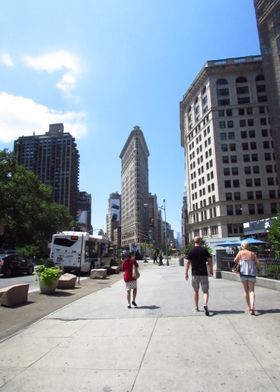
(54, 158)
(268, 22)
(231, 176)
(83, 216)
(154, 232)
(134, 189)
(113, 218)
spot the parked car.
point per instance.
(11, 264)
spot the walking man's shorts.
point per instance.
(203, 281)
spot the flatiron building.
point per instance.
(134, 189)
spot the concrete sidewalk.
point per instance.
(97, 344)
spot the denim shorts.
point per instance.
(200, 280)
(244, 278)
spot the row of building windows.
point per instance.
(239, 79)
(253, 209)
(247, 170)
(245, 146)
(243, 111)
(203, 215)
(222, 92)
(252, 195)
(233, 210)
(249, 182)
(241, 100)
(250, 122)
(245, 135)
(213, 230)
(268, 156)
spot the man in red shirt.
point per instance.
(130, 282)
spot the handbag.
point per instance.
(236, 268)
(135, 272)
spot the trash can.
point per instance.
(181, 261)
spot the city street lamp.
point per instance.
(165, 229)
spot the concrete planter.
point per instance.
(48, 289)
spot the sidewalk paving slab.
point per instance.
(96, 344)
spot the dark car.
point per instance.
(11, 264)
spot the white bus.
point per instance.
(78, 251)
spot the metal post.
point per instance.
(165, 224)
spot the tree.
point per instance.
(29, 215)
(274, 234)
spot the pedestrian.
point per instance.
(198, 258)
(248, 261)
(131, 283)
(181, 260)
(160, 259)
(155, 257)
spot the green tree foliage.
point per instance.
(274, 234)
(28, 214)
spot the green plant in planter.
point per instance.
(47, 275)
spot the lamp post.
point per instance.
(165, 230)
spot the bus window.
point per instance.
(64, 242)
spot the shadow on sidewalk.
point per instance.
(265, 311)
(148, 307)
(59, 294)
(217, 312)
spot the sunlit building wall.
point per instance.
(134, 189)
(231, 174)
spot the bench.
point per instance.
(67, 281)
(99, 273)
(14, 295)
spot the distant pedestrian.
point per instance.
(198, 258)
(160, 259)
(181, 260)
(248, 262)
(131, 283)
(155, 256)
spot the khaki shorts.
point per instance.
(200, 280)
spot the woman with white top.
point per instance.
(248, 262)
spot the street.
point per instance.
(4, 282)
(33, 285)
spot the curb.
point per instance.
(271, 284)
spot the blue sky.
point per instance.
(103, 66)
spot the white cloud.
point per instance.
(58, 61)
(20, 116)
(6, 59)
